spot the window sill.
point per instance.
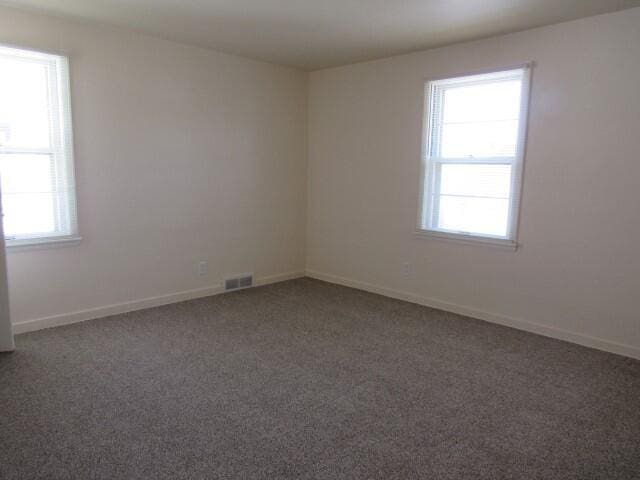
(467, 239)
(42, 243)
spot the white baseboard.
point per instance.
(281, 277)
(115, 309)
(548, 331)
(545, 330)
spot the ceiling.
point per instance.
(314, 34)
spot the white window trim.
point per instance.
(62, 104)
(511, 242)
(467, 239)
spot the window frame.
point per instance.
(60, 149)
(428, 179)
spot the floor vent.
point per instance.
(245, 281)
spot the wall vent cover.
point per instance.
(236, 283)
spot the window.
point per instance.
(36, 161)
(473, 150)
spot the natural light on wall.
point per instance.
(36, 161)
(473, 152)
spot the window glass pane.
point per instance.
(22, 173)
(28, 214)
(488, 139)
(476, 180)
(498, 100)
(480, 120)
(480, 215)
(24, 103)
(27, 194)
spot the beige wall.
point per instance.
(182, 154)
(185, 154)
(577, 273)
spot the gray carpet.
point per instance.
(308, 380)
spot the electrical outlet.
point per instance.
(406, 269)
(203, 268)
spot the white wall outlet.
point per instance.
(406, 269)
(203, 268)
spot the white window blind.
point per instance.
(36, 161)
(473, 149)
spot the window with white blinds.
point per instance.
(473, 151)
(36, 160)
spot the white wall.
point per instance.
(182, 154)
(577, 273)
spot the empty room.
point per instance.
(294, 239)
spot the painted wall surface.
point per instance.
(577, 270)
(184, 154)
(181, 155)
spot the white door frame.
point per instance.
(6, 330)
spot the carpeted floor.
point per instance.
(308, 380)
